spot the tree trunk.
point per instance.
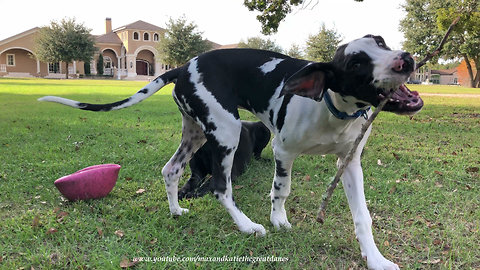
(66, 72)
(470, 70)
(477, 76)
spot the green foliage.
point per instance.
(260, 43)
(86, 68)
(321, 47)
(100, 64)
(64, 41)
(273, 12)
(295, 51)
(426, 22)
(181, 42)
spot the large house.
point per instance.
(436, 76)
(128, 52)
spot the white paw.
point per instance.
(178, 211)
(279, 220)
(251, 228)
(378, 262)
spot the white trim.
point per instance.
(108, 48)
(15, 48)
(148, 48)
(158, 37)
(13, 58)
(143, 36)
(133, 36)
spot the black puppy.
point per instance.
(253, 138)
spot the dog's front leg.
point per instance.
(352, 180)
(281, 189)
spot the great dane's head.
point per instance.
(363, 71)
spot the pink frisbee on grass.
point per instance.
(90, 183)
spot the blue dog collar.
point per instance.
(343, 115)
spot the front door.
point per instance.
(142, 67)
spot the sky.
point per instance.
(221, 21)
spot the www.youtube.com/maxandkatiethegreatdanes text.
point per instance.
(248, 259)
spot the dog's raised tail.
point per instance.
(141, 95)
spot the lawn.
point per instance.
(421, 180)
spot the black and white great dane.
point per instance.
(311, 108)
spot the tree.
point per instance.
(65, 41)
(100, 64)
(260, 43)
(181, 42)
(295, 51)
(426, 22)
(273, 12)
(321, 47)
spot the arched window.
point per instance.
(155, 37)
(107, 62)
(146, 36)
(135, 36)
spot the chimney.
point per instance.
(108, 25)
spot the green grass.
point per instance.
(424, 198)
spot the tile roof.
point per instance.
(444, 71)
(140, 25)
(111, 37)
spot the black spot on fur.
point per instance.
(361, 104)
(101, 107)
(143, 91)
(271, 117)
(283, 111)
(277, 187)
(279, 169)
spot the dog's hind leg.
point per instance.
(227, 139)
(192, 139)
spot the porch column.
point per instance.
(38, 67)
(119, 67)
(158, 68)
(131, 65)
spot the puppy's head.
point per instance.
(365, 70)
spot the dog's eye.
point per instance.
(356, 65)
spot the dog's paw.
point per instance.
(378, 262)
(179, 211)
(279, 220)
(251, 228)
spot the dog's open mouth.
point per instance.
(403, 101)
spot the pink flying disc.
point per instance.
(90, 183)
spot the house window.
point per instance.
(107, 62)
(135, 36)
(10, 60)
(146, 36)
(53, 67)
(155, 37)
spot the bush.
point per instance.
(100, 65)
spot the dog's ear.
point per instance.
(311, 81)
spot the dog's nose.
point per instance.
(403, 63)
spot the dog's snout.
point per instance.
(403, 63)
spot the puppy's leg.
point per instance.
(352, 180)
(281, 188)
(192, 139)
(222, 167)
